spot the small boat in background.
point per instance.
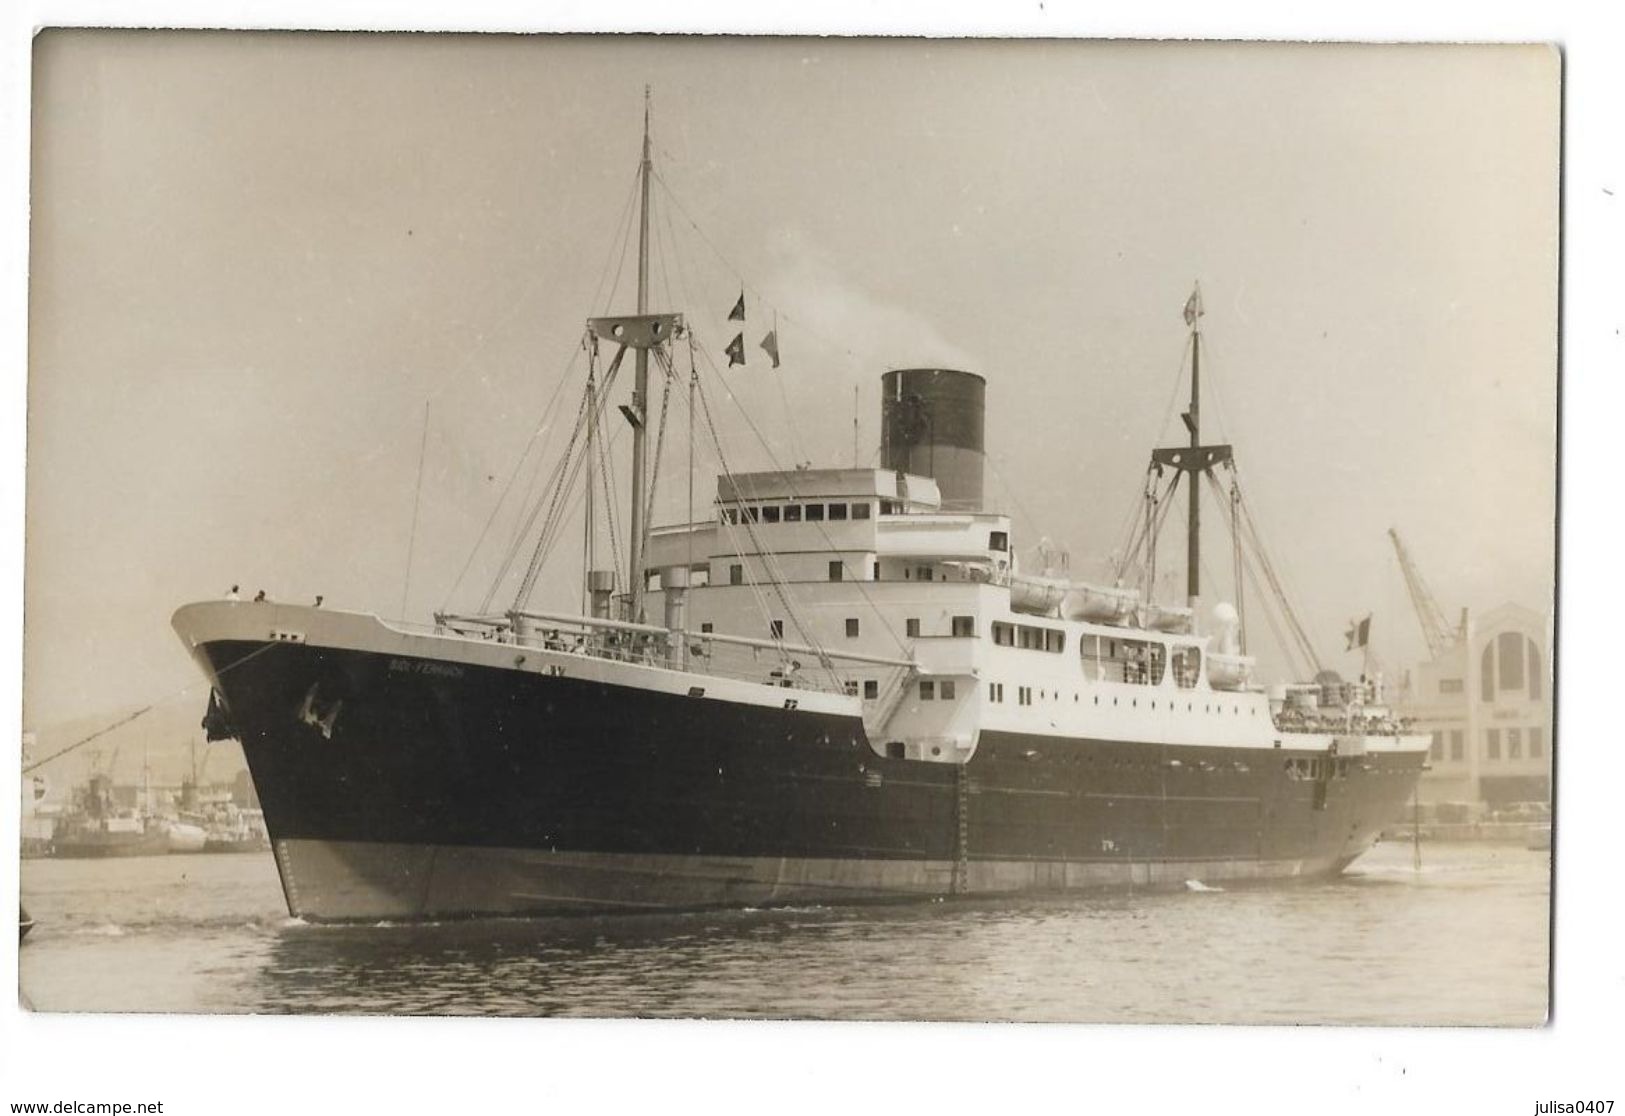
(97, 828)
(184, 837)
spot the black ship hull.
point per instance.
(414, 788)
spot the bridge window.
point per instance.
(792, 513)
(928, 691)
(699, 577)
(770, 513)
(1004, 634)
(748, 513)
(911, 627)
(860, 511)
(775, 629)
(851, 689)
(815, 513)
(998, 540)
(1054, 640)
(736, 574)
(851, 627)
(871, 688)
(835, 571)
(707, 627)
(837, 511)
(730, 515)
(964, 626)
(946, 688)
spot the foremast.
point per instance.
(640, 388)
(640, 332)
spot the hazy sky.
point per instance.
(255, 259)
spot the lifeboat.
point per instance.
(1174, 619)
(1102, 605)
(1037, 596)
(1229, 672)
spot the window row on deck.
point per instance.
(1109, 658)
(817, 512)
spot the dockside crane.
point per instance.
(1440, 634)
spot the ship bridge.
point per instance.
(826, 525)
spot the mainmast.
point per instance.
(640, 386)
(1193, 421)
(1195, 459)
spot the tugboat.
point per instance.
(831, 685)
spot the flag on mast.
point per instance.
(1359, 633)
(770, 343)
(737, 314)
(1193, 306)
(736, 350)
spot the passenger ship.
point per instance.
(836, 686)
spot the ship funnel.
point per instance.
(931, 422)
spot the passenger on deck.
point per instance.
(233, 595)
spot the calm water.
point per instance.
(1462, 942)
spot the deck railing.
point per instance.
(762, 661)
